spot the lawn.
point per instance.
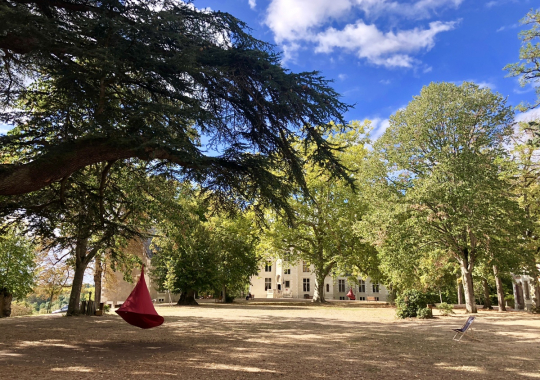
(268, 341)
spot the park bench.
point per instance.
(463, 330)
(371, 298)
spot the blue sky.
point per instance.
(381, 52)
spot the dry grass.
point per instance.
(267, 341)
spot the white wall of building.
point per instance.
(290, 278)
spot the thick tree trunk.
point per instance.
(187, 298)
(5, 303)
(468, 289)
(487, 294)
(81, 263)
(98, 271)
(500, 289)
(318, 294)
(224, 294)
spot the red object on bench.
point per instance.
(138, 310)
(351, 295)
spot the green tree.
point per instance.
(197, 252)
(321, 233)
(17, 265)
(439, 180)
(94, 212)
(154, 80)
(528, 69)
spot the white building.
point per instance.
(282, 279)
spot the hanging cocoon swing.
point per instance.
(138, 309)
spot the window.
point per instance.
(267, 283)
(305, 267)
(268, 267)
(342, 298)
(306, 284)
(287, 284)
(327, 288)
(361, 286)
(341, 284)
(361, 298)
(287, 271)
(375, 288)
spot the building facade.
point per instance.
(281, 279)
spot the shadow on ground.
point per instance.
(232, 343)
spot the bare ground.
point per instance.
(270, 341)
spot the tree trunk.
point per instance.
(468, 289)
(318, 294)
(224, 296)
(487, 293)
(500, 289)
(5, 303)
(80, 266)
(459, 292)
(187, 298)
(98, 271)
(520, 302)
(537, 296)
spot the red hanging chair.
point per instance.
(138, 309)
(351, 295)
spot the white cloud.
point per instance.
(388, 49)
(252, 3)
(529, 115)
(296, 21)
(342, 76)
(417, 10)
(385, 81)
(379, 126)
(4, 128)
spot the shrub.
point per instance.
(107, 308)
(21, 308)
(408, 303)
(445, 309)
(424, 313)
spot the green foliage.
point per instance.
(21, 308)
(424, 313)
(409, 302)
(527, 69)
(437, 196)
(445, 309)
(321, 233)
(196, 250)
(123, 79)
(17, 254)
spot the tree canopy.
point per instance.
(441, 190)
(87, 81)
(322, 233)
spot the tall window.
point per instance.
(268, 267)
(287, 284)
(305, 267)
(306, 284)
(341, 284)
(361, 286)
(267, 283)
(327, 288)
(375, 288)
(287, 271)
